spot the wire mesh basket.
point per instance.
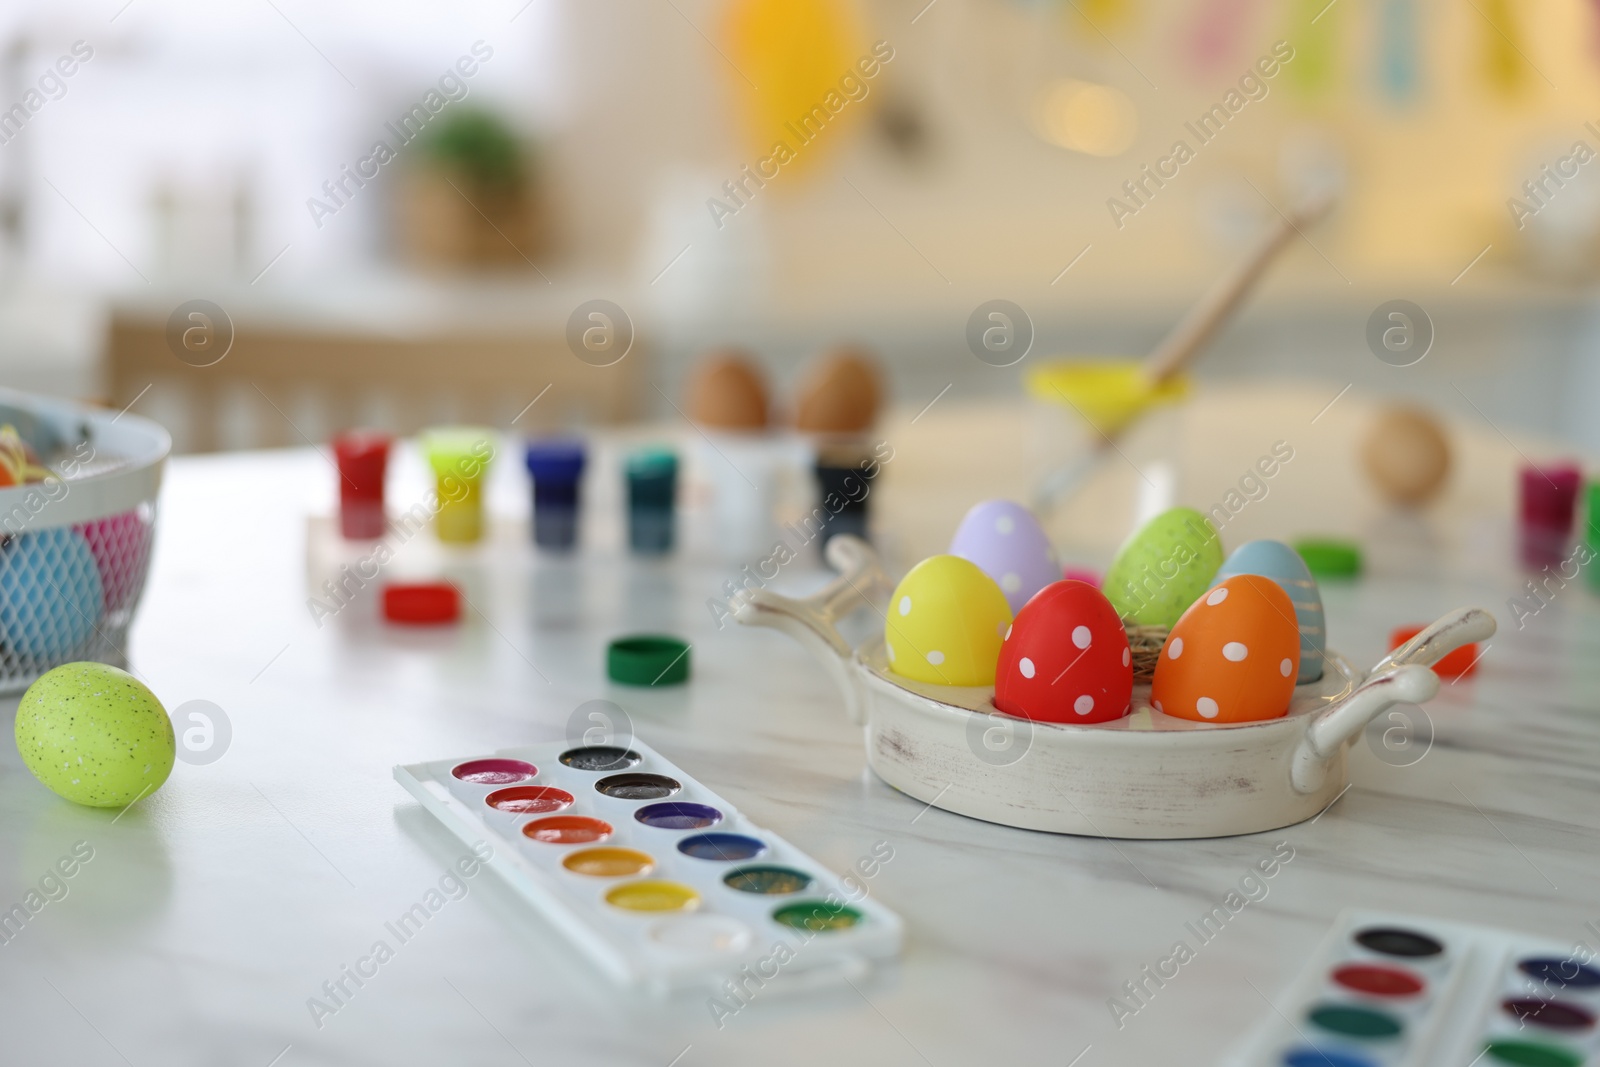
(75, 547)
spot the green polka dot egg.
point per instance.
(946, 623)
(95, 735)
(1163, 568)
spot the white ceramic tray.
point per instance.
(1147, 775)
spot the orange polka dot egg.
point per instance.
(1232, 657)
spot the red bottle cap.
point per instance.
(421, 602)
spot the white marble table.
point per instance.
(212, 911)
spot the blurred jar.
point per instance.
(1105, 442)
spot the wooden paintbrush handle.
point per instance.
(1208, 317)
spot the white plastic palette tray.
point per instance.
(662, 882)
(1396, 991)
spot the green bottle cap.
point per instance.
(1330, 558)
(648, 659)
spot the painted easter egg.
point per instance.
(1406, 453)
(1007, 543)
(1232, 657)
(840, 393)
(1164, 567)
(51, 597)
(1276, 560)
(1081, 574)
(95, 735)
(728, 390)
(946, 623)
(121, 546)
(1066, 659)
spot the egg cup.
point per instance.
(1146, 775)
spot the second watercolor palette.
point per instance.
(659, 880)
(1397, 991)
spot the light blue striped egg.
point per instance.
(1276, 560)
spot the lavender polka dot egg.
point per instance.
(1008, 544)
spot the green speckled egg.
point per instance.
(1164, 567)
(95, 735)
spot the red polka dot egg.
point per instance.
(1232, 657)
(1065, 659)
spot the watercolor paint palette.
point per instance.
(1396, 991)
(658, 879)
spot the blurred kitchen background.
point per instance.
(201, 152)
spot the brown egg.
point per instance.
(1407, 455)
(728, 391)
(840, 393)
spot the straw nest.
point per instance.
(1145, 643)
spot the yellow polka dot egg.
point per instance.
(946, 623)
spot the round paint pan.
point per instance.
(512, 805)
(494, 771)
(1380, 981)
(768, 881)
(652, 895)
(1316, 1057)
(722, 848)
(529, 800)
(567, 830)
(473, 779)
(817, 916)
(1355, 1022)
(600, 758)
(1541, 1013)
(609, 862)
(678, 815)
(638, 786)
(1551, 973)
(1518, 1053)
(702, 935)
(1399, 944)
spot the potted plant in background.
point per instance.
(470, 199)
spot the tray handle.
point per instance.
(1403, 676)
(811, 620)
(1336, 726)
(1460, 627)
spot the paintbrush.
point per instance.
(1188, 339)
